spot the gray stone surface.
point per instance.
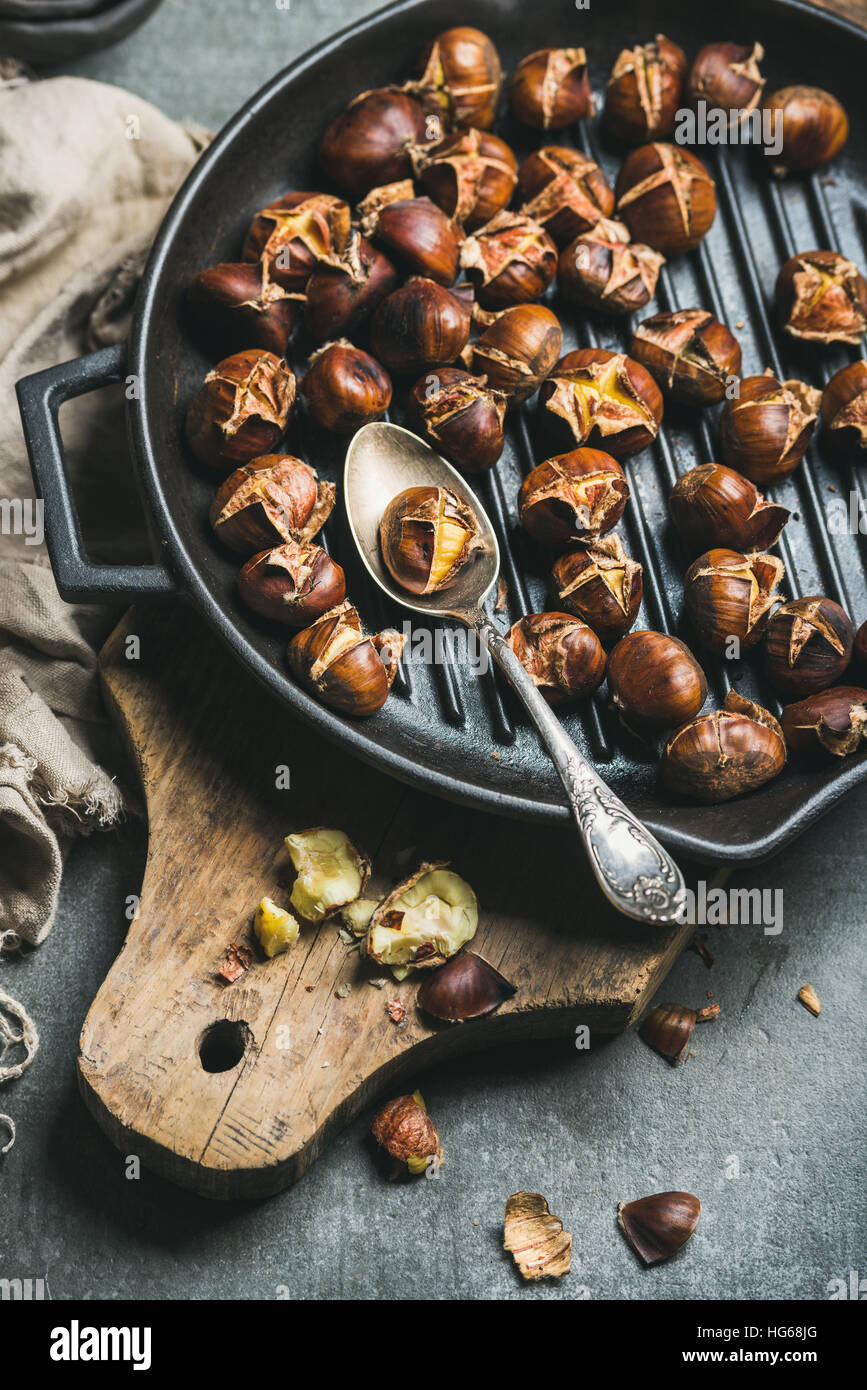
(764, 1123)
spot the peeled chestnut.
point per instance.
(562, 656)
(815, 126)
(418, 326)
(822, 298)
(459, 416)
(564, 191)
(690, 354)
(808, 645)
(406, 1132)
(294, 233)
(344, 290)
(844, 406)
(510, 260)
(727, 75)
(602, 269)
(427, 535)
(241, 409)
(237, 306)
(728, 598)
(658, 1226)
(830, 722)
(368, 144)
(293, 583)
(345, 388)
(276, 498)
(724, 754)
(595, 396)
(465, 987)
(517, 351)
(713, 506)
(575, 496)
(346, 670)
(766, 428)
(461, 77)
(469, 174)
(600, 584)
(644, 90)
(550, 89)
(655, 681)
(414, 231)
(668, 1029)
(666, 197)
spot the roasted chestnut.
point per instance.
(517, 351)
(600, 584)
(238, 307)
(573, 497)
(666, 197)
(644, 90)
(345, 669)
(727, 76)
(713, 506)
(690, 354)
(550, 89)
(293, 583)
(728, 598)
(808, 645)
(294, 233)
(655, 681)
(860, 650)
(469, 174)
(656, 1227)
(415, 232)
(822, 298)
(562, 656)
(427, 535)
(595, 396)
(510, 260)
(272, 500)
(844, 406)
(465, 987)
(461, 77)
(766, 428)
(345, 289)
(345, 388)
(368, 144)
(564, 191)
(815, 127)
(830, 722)
(406, 1132)
(724, 754)
(418, 326)
(459, 416)
(602, 269)
(241, 409)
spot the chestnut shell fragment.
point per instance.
(465, 987)
(656, 1227)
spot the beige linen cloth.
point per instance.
(86, 173)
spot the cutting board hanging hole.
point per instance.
(223, 1044)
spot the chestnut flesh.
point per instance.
(821, 297)
(427, 535)
(594, 396)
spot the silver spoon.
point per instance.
(634, 871)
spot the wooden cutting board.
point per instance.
(301, 1061)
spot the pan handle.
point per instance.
(40, 397)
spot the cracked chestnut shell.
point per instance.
(565, 191)
(460, 417)
(721, 755)
(511, 260)
(598, 397)
(808, 645)
(668, 1029)
(414, 232)
(419, 326)
(345, 388)
(727, 75)
(690, 354)
(470, 174)
(860, 649)
(828, 723)
(368, 144)
(345, 289)
(427, 535)
(345, 669)
(550, 89)
(236, 306)
(815, 127)
(666, 197)
(766, 428)
(273, 499)
(655, 681)
(465, 987)
(461, 77)
(241, 409)
(517, 351)
(294, 233)
(645, 90)
(562, 656)
(821, 297)
(844, 406)
(572, 497)
(293, 583)
(713, 506)
(657, 1227)
(729, 595)
(407, 1133)
(600, 584)
(602, 269)
(425, 920)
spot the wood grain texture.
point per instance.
(207, 741)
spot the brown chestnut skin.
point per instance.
(729, 596)
(691, 356)
(345, 388)
(721, 755)
(511, 260)
(293, 583)
(602, 398)
(461, 73)
(860, 649)
(655, 681)
(294, 233)
(714, 507)
(470, 174)
(273, 499)
(658, 1226)
(550, 89)
(844, 406)
(668, 1029)
(766, 428)
(460, 417)
(414, 232)
(666, 197)
(465, 987)
(562, 656)
(821, 297)
(829, 723)
(572, 497)
(419, 326)
(565, 191)
(599, 583)
(341, 666)
(343, 292)
(517, 351)
(603, 270)
(808, 645)
(727, 75)
(645, 90)
(427, 535)
(815, 126)
(368, 144)
(237, 307)
(241, 409)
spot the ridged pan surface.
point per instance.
(446, 728)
